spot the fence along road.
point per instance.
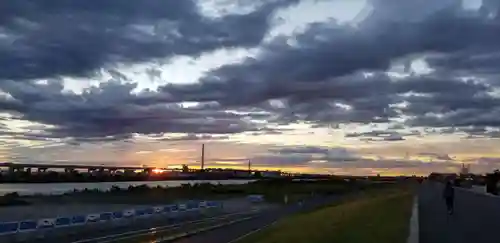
(37, 228)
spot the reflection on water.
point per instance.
(59, 188)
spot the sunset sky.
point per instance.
(324, 86)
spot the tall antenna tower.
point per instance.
(202, 157)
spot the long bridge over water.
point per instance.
(41, 167)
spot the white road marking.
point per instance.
(413, 236)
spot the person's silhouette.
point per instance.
(449, 196)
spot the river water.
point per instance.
(60, 188)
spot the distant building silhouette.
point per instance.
(465, 170)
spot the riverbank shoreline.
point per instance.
(152, 179)
(26, 189)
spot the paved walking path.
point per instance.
(476, 218)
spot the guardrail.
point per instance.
(26, 226)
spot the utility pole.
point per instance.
(202, 157)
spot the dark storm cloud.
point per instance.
(110, 111)
(475, 62)
(361, 99)
(77, 140)
(319, 75)
(445, 102)
(320, 67)
(326, 111)
(460, 118)
(328, 50)
(46, 38)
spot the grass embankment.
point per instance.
(374, 216)
(273, 191)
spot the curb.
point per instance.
(413, 236)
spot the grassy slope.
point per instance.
(364, 219)
(273, 191)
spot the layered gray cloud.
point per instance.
(437, 156)
(320, 68)
(324, 159)
(194, 137)
(330, 73)
(382, 135)
(328, 50)
(47, 38)
(111, 111)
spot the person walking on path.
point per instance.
(449, 196)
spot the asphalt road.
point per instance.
(169, 231)
(476, 218)
(232, 232)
